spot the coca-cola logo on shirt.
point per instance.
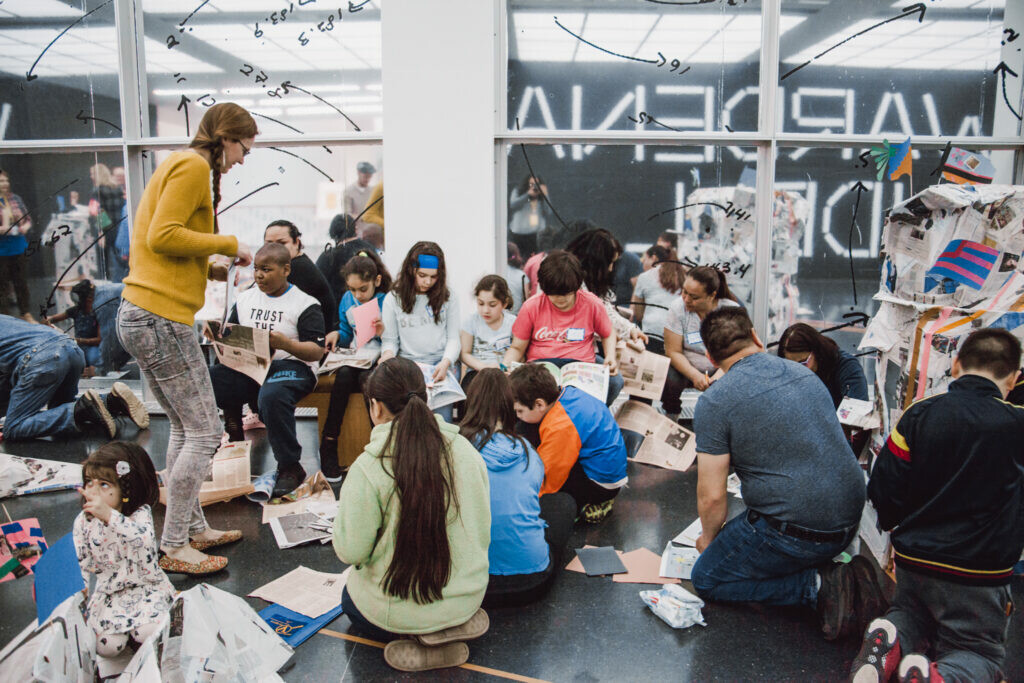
(545, 334)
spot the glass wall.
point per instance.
(850, 76)
(95, 93)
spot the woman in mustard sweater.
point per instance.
(414, 519)
(174, 236)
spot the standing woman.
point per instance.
(528, 214)
(175, 235)
(105, 205)
(14, 225)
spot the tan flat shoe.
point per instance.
(474, 628)
(409, 655)
(229, 536)
(213, 563)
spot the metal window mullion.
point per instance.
(134, 94)
(500, 126)
(767, 126)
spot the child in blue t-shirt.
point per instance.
(487, 333)
(367, 278)
(87, 327)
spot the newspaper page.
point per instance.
(690, 534)
(854, 412)
(666, 444)
(229, 297)
(228, 478)
(305, 527)
(245, 349)
(305, 591)
(589, 377)
(313, 495)
(362, 358)
(677, 561)
(445, 392)
(644, 372)
(21, 476)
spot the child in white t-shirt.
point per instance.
(487, 334)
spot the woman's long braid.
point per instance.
(216, 153)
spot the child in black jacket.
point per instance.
(950, 479)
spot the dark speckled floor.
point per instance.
(588, 629)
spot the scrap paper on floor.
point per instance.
(313, 495)
(677, 561)
(689, 535)
(643, 566)
(600, 561)
(21, 545)
(305, 591)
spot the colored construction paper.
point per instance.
(901, 160)
(600, 561)
(18, 540)
(58, 576)
(966, 262)
(642, 566)
(366, 317)
(295, 628)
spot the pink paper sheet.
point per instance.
(366, 317)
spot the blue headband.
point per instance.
(428, 261)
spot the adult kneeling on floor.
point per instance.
(415, 521)
(773, 421)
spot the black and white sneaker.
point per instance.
(122, 401)
(92, 417)
(329, 460)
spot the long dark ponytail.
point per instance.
(713, 281)
(224, 121)
(424, 481)
(490, 410)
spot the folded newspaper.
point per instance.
(854, 412)
(245, 349)
(21, 476)
(362, 358)
(443, 393)
(662, 442)
(305, 591)
(643, 372)
(589, 377)
(228, 478)
(304, 527)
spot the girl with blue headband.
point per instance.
(421, 320)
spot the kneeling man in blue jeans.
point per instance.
(773, 421)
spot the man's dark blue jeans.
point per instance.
(754, 562)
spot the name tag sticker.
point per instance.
(693, 339)
(575, 334)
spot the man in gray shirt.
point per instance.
(773, 421)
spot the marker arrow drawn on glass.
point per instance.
(907, 11)
(859, 188)
(660, 61)
(1002, 68)
(29, 76)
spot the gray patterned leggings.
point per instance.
(172, 363)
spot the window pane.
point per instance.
(705, 195)
(65, 218)
(301, 68)
(599, 65)
(903, 76)
(62, 61)
(305, 185)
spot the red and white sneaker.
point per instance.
(879, 656)
(916, 668)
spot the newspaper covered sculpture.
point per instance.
(720, 232)
(951, 265)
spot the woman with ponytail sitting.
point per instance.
(174, 237)
(414, 521)
(704, 290)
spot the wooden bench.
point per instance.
(355, 428)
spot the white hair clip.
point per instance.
(122, 468)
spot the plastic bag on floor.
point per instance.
(676, 606)
(210, 636)
(62, 649)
